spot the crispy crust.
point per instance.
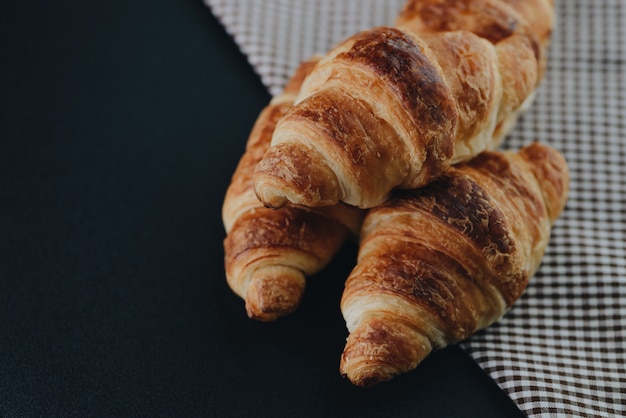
(449, 259)
(393, 107)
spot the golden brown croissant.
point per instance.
(393, 107)
(269, 252)
(439, 263)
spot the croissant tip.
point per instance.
(293, 173)
(378, 349)
(270, 197)
(367, 375)
(274, 292)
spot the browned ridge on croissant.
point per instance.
(393, 107)
(268, 253)
(439, 263)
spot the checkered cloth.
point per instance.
(560, 350)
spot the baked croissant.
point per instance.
(267, 253)
(439, 263)
(393, 107)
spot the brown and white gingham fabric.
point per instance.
(560, 350)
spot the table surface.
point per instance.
(120, 126)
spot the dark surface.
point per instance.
(120, 126)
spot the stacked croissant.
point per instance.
(391, 139)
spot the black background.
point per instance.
(121, 123)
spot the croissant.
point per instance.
(439, 263)
(267, 253)
(393, 107)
